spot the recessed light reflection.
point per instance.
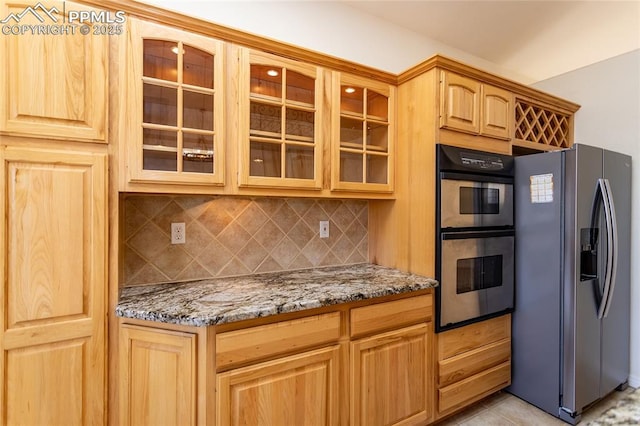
(273, 73)
(349, 90)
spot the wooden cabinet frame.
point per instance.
(246, 59)
(133, 105)
(53, 86)
(54, 269)
(340, 79)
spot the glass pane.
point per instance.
(377, 168)
(299, 162)
(351, 132)
(197, 67)
(159, 160)
(198, 153)
(300, 88)
(160, 138)
(377, 105)
(265, 160)
(266, 81)
(477, 273)
(299, 124)
(198, 110)
(350, 167)
(377, 136)
(160, 105)
(351, 99)
(160, 60)
(265, 120)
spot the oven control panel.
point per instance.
(454, 159)
(481, 162)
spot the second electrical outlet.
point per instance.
(178, 233)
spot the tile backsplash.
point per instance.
(228, 236)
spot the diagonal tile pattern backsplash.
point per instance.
(235, 236)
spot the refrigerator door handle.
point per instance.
(603, 186)
(613, 230)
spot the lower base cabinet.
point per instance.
(355, 364)
(301, 389)
(474, 361)
(390, 378)
(157, 379)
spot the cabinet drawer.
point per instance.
(390, 315)
(459, 340)
(240, 346)
(474, 388)
(471, 362)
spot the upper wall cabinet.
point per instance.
(280, 119)
(362, 148)
(466, 105)
(52, 86)
(175, 107)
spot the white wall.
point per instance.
(609, 92)
(331, 28)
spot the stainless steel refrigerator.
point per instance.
(572, 291)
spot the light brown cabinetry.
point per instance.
(158, 383)
(473, 362)
(52, 330)
(390, 371)
(468, 105)
(542, 127)
(174, 125)
(291, 390)
(444, 101)
(281, 120)
(355, 363)
(389, 377)
(363, 135)
(53, 86)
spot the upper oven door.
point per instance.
(467, 203)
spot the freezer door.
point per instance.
(536, 319)
(583, 278)
(616, 322)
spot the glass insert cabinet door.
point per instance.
(280, 116)
(362, 147)
(177, 77)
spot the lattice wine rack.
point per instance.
(539, 125)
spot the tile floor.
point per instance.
(504, 409)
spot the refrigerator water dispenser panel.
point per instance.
(588, 254)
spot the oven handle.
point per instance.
(463, 235)
(476, 177)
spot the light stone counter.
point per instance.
(224, 300)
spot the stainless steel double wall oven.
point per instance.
(475, 236)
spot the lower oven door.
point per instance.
(476, 276)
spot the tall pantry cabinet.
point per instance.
(53, 192)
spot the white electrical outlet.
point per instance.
(324, 229)
(178, 233)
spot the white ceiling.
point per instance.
(538, 39)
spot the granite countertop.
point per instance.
(224, 300)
